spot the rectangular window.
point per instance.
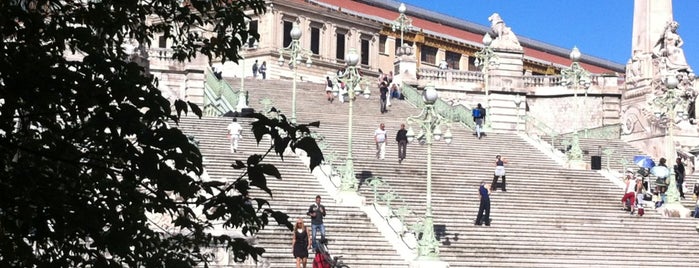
(428, 54)
(315, 40)
(287, 33)
(452, 59)
(365, 52)
(253, 28)
(382, 44)
(340, 46)
(162, 41)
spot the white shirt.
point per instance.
(234, 128)
(380, 135)
(630, 187)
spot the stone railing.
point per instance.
(454, 76)
(454, 113)
(219, 96)
(541, 80)
(160, 53)
(499, 82)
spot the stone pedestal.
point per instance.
(510, 66)
(405, 69)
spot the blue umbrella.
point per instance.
(643, 161)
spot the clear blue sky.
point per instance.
(600, 28)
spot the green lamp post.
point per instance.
(575, 77)
(296, 54)
(352, 80)
(402, 23)
(430, 124)
(487, 60)
(669, 112)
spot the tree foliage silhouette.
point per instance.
(90, 152)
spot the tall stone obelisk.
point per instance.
(657, 117)
(649, 20)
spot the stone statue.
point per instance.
(669, 49)
(504, 37)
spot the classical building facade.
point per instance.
(330, 28)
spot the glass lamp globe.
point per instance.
(295, 32)
(430, 94)
(575, 54)
(352, 58)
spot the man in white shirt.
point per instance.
(380, 139)
(234, 133)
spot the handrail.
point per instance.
(401, 213)
(375, 183)
(454, 113)
(535, 129)
(607, 132)
(219, 90)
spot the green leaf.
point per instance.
(195, 109)
(280, 146)
(270, 170)
(311, 148)
(238, 164)
(281, 218)
(180, 106)
(258, 179)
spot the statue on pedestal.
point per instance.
(504, 37)
(669, 49)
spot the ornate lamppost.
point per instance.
(402, 23)
(486, 59)
(430, 123)
(352, 80)
(575, 76)
(669, 104)
(296, 54)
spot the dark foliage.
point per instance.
(91, 161)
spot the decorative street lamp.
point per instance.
(296, 54)
(430, 123)
(486, 59)
(402, 23)
(575, 77)
(352, 80)
(669, 108)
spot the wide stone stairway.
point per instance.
(549, 217)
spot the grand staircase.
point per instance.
(549, 217)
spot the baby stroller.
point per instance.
(322, 258)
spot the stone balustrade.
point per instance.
(465, 79)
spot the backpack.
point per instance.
(477, 113)
(319, 261)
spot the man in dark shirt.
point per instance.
(383, 89)
(478, 118)
(317, 212)
(402, 139)
(679, 176)
(484, 208)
